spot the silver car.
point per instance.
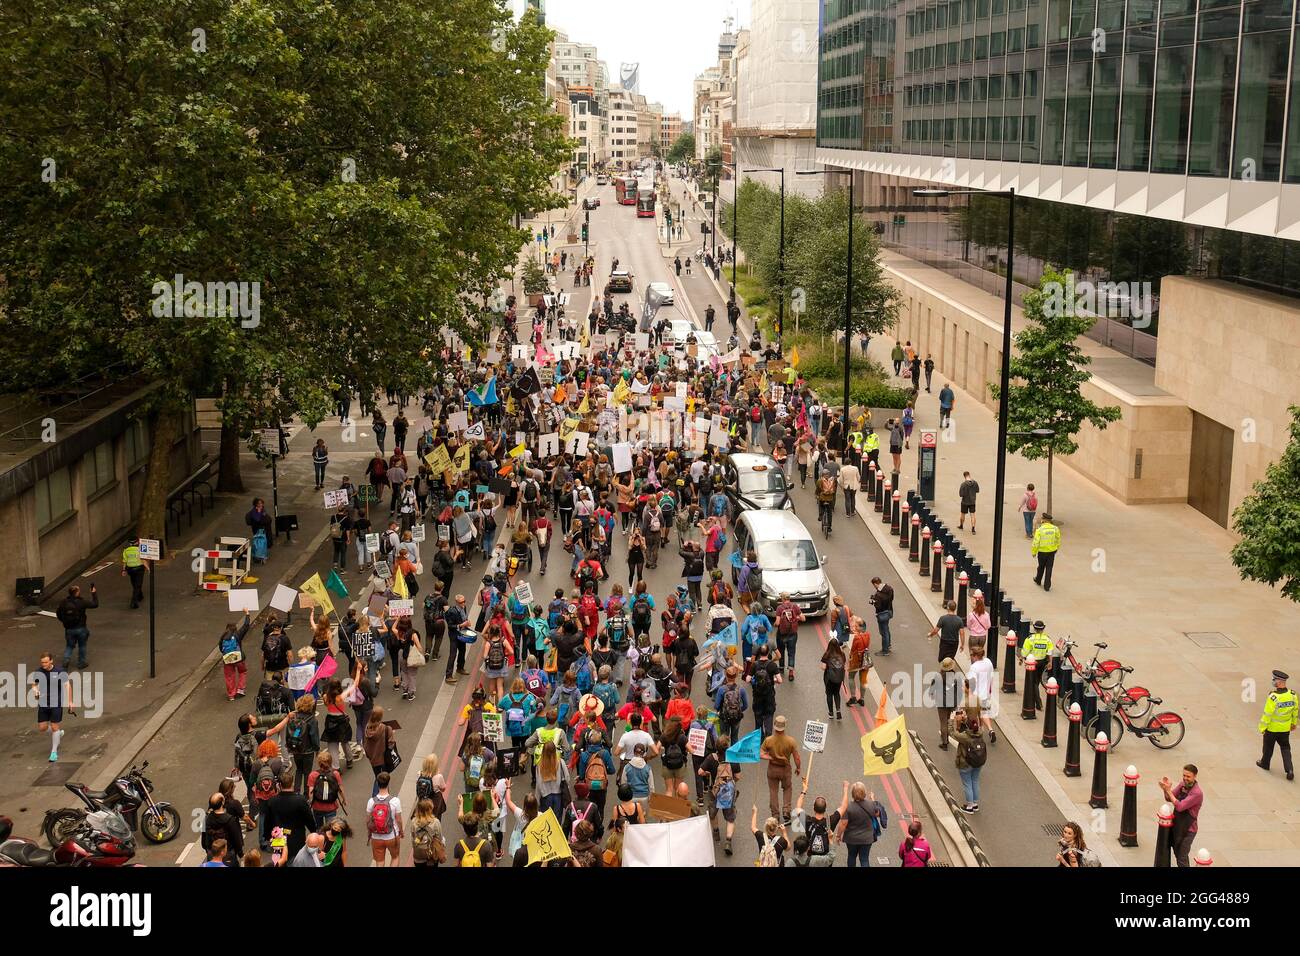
(788, 557)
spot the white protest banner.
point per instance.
(493, 356)
(622, 459)
(519, 353)
(524, 592)
(548, 445)
(814, 736)
(641, 341)
(674, 404)
(284, 597)
(681, 843)
(564, 298)
(549, 300)
(681, 390)
(577, 444)
(493, 728)
(417, 533)
(477, 431)
(401, 607)
(242, 599)
(372, 543)
(336, 499)
(598, 341)
(458, 421)
(639, 387)
(697, 740)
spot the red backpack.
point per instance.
(589, 609)
(381, 819)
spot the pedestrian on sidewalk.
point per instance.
(53, 694)
(883, 601)
(133, 568)
(380, 427)
(909, 420)
(951, 630)
(850, 484)
(71, 613)
(896, 439)
(320, 457)
(1047, 541)
(677, 264)
(1028, 507)
(1187, 799)
(929, 371)
(977, 620)
(948, 688)
(896, 356)
(946, 400)
(1277, 722)
(967, 492)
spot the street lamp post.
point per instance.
(848, 288)
(995, 605)
(780, 302)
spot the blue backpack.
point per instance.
(518, 714)
(586, 677)
(724, 798)
(260, 549)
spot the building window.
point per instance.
(1173, 97)
(97, 468)
(53, 498)
(137, 443)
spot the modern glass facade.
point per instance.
(1190, 87)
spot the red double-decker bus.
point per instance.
(625, 190)
(645, 200)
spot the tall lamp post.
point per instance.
(780, 302)
(714, 171)
(735, 218)
(848, 286)
(1000, 485)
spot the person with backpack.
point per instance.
(731, 700)
(814, 839)
(594, 768)
(519, 707)
(220, 824)
(673, 754)
(972, 753)
(234, 667)
(428, 848)
(498, 651)
(338, 728)
(582, 809)
(750, 580)
(384, 823)
(325, 790)
(788, 617)
(1028, 507)
(476, 848)
(772, 841)
(543, 531)
(276, 648)
(715, 539)
(722, 790)
(754, 631)
(764, 675)
(834, 664)
(858, 822)
(301, 739)
(380, 745)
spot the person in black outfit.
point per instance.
(291, 812)
(219, 824)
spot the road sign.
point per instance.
(814, 736)
(270, 440)
(929, 438)
(151, 549)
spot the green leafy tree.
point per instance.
(1268, 521)
(683, 149)
(1048, 370)
(361, 164)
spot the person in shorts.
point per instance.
(967, 491)
(52, 691)
(389, 841)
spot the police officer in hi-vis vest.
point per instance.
(1277, 723)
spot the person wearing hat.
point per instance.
(1277, 722)
(1037, 645)
(948, 689)
(133, 567)
(587, 718)
(778, 750)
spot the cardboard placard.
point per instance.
(494, 728)
(814, 736)
(458, 421)
(372, 543)
(697, 740)
(382, 570)
(524, 592)
(401, 607)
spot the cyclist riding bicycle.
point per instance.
(826, 501)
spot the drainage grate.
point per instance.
(937, 863)
(1210, 639)
(57, 775)
(1054, 829)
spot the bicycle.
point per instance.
(1165, 729)
(1104, 676)
(826, 514)
(1135, 700)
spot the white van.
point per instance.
(788, 557)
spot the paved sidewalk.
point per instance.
(1141, 578)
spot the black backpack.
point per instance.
(245, 750)
(641, 610)
(975, 752)
(424, 791)
(274, 650)
(819, 840)
(733, 706)
(324, 789)
(269, 699)
(754, 583)
(496, 655)
(297, 735)
(674, 754)
(764, 689)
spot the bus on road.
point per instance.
(625, 190)
(645, 198)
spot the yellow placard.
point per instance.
(545, 840)
(794, 357)
(568, 427)
(462, 457)
(399, 583)
(438, 459)
(622, 392)
(585, 407)
(314, 588)
(518, 450)
(886, 749)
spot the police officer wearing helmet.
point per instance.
(1037, 645)
(1279, 719)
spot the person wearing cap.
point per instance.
(133, 567)
(948, 690)
(1277, 722)
(778, 750)
(1037, 645)
(1047, 541)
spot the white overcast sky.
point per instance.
(673, 40)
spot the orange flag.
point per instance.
(882, 715)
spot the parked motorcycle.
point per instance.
(101, 839)
(131, 796)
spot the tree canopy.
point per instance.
(1268, 521)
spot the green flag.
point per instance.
(335, 584)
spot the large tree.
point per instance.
(362, 164)
(1048, 369)
(682, 148)
(1268, 521)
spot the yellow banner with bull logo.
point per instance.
(886, 749)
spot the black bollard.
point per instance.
(936, 582)
(1076, 691)
(1049, 714)
(1164, 848)
(1103, 721)
(889, 502)
(963, 589)
(895, 512)
(914, 548)
(1072, 743)
(904, 525)
(949, 577)
(1128, 816)
(1009, 664)
(1098, 799)
(1029, 705)
(926, 535)
(877, 493)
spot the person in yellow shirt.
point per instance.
(1047, 541)
(133, 568)
(1277, 722)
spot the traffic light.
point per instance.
(584, 232)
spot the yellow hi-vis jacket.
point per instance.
(1279, 712)
(1046, 539)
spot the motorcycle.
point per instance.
(101, 839)
(157, 822)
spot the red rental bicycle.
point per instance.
(1165, 729)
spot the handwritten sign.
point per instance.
(417, 533)
(524, 592)
(814, 736)
(372, 543)
(401, 607)
(493, 728)
(697, 740)
(336, 499)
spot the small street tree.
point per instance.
(682, 149)
(1268, 521)
(1048, 370)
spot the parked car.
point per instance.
(757, 483)
(620, 281)
(591, 202)
(602, 180)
